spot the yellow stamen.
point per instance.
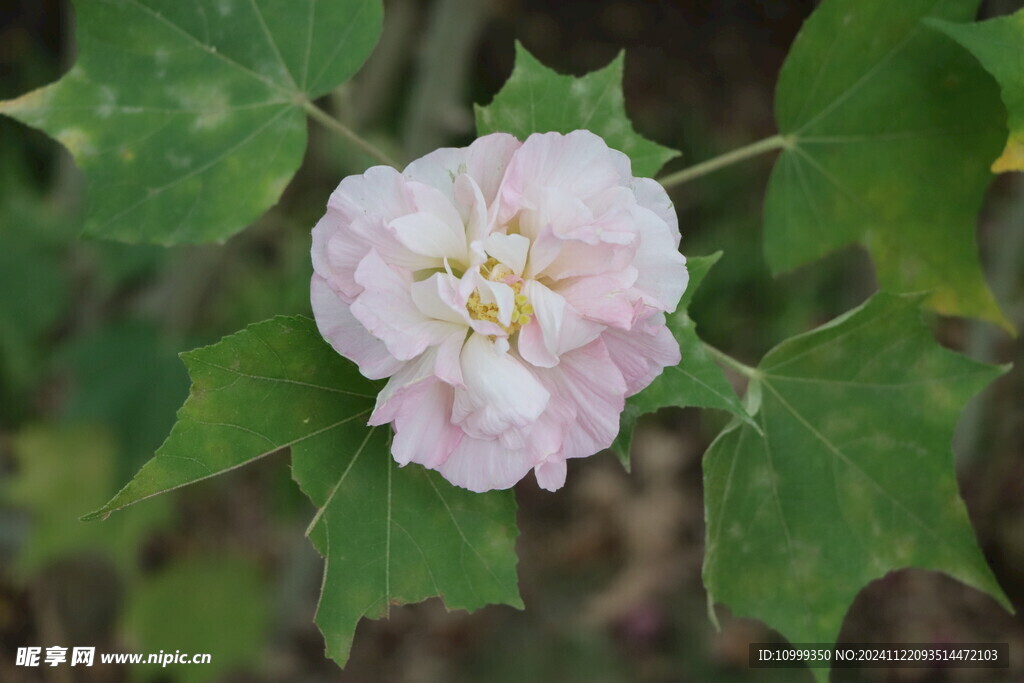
(521, 311)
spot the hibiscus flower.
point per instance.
(514, 293)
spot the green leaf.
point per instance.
(273, 385)
(695, 381)
(999, 46)
(60, 472)
(388, 534)
(187, 117)
(395, 535)
(536, 99)
(851, 477)
(215, 606)
(890, 129)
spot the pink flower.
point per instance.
(515, 294)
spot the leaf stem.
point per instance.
(725, 359)
(727, 159)
(344, 131)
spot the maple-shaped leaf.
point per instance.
(999, 46)
(187, 117)
(889, 128)
(850, 477)
(536, 99)
(388, 534)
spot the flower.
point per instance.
(513, 292)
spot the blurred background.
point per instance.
(609, 566)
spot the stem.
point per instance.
(338, 127)
(727, 159)
(725, 359)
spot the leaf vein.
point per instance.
(283, 380)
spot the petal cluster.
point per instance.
(514, 293)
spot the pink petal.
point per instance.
(436, 229)
(485, 464)
(651, 195)
(577, 165)
(555, 329)
(551, 473)
(643, 352)
(424, 433)
(485, 161)
(532, 346)
(605, 298)
(411, 375)
(588, 381)
(662, 270)
(555, 258)
(366, 203)
(346, 334)
(387, 310)
(448, 366)
(357, 213)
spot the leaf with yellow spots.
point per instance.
(999, 46)
(890, 130)
(389, 534)
(187, 117)
(850, 477)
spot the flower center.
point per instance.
(521, 311)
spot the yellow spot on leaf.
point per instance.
(1013, 156)
(77, 141)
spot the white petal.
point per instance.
(511, 250)
(426, 234)
(501, 393)
(485, 160)
(538, 341)
(439, 297)
(472, 203)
